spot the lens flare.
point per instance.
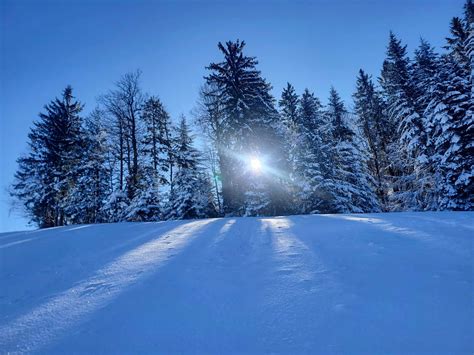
(255, 164)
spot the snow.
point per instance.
(360, 283)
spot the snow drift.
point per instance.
(373, 283)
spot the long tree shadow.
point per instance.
(402, 229)
(49, 320)
(55, 265)
(399, 280)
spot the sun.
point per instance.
(255, 164)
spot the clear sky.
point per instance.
(46, 45)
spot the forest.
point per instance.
(406, 144)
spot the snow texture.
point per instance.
(377, 283)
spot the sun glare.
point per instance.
(255, 164)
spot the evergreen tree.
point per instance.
(116, 206)
(289, 113)
(205, 200)
(146, 206)
(456, 44)
(157, 143)
(210, 117)
(352, 185)
(376, 128)
(409, 145)
(251, 126)
(46, 177)
(312, 166)
(192, 194)
(87, 200)
(156, 164)
(424, 70)
(289, 107)
(449, 111)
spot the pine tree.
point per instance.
(469, 8)
(251, 126)
(192, 194)
(289, 113)
(410, 138)
(311, 157)
(289, 107)
(157, 142)
(86, 203)
(376, 129)
(205, 200)
(352, 186)
(146, 206)
(449, 112)
(424, 71)
(156, 164)
(46, 177)
(210, 117)
(116, 206)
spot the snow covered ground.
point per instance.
(374, 283)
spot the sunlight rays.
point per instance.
(257, 164)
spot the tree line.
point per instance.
(408, 144)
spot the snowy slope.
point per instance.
(303, 284)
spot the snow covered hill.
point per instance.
(303, 284)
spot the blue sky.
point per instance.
(46, 45)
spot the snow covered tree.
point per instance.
(352, 184)
(312, 158)
(410, 138)
(452, 123)
(125, 103)
(46, 176)
(424, 70)
(192, 194)
(250, 126)
(146, 205)
(205, 199)
(376, 128)
(116, 206)
(156, 142)
(210, 117)
(86, 203)
(156, 168)
(289, 113)
(289, 107)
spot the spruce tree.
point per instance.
(376, 129)
(352, 185)
(289, 113)
(156, 169)
(289, 107)
(46, 176)
(251, 126)
(156, 142)
(312, 166)
(192, 193)
(146, 205)
(424, 71)
(86, 203)
(409, 143)
(449, 112)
